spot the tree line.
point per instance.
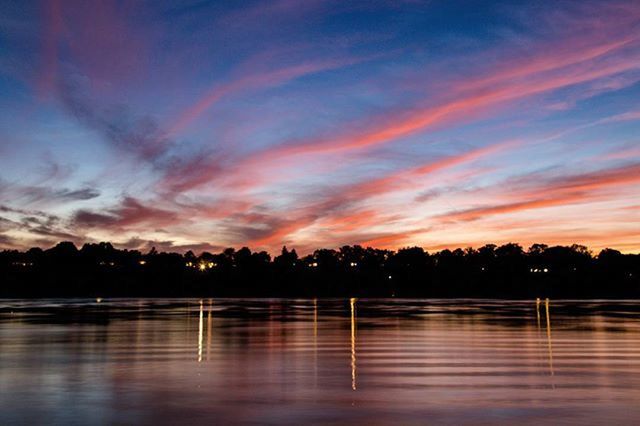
(506, 271)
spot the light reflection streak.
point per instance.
(200, 323)
(315, 342)
(315, 321)
(209, 329)
(551, 372)
(353, 342)
(539, 329)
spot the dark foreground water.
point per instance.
(326, 361)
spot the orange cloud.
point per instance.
(557, 192)
(332, 209)
(389, 241)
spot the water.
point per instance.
(328, 361)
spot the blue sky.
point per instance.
(200, 124)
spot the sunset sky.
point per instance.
(317, 123)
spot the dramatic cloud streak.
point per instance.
(556, 192)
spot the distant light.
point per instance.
(142, 262)
(390, 277)
(545, 270)
(354, 264)
(98, 299)
(202, 266)
(189, 264)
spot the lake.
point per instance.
(384, 361)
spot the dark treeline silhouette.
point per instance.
(507, 271)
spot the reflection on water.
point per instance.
(200, 331)
(352, 302)
(546, 310)
(297, 361)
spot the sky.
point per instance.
(198, 125)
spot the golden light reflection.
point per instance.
(353, 342)
(315, 341)
(315, 320)
(546, 306)
(209, 329)
(200, 324)
(539, 327)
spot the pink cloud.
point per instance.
(563, 191)
(515, 79)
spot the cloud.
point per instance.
(145, 245)
(6, 241)
(545, 68)
(358, 219)
(186, 174)
(41, 194)
(130, 213)
(57, 235)
(53, 171)
(36, 224)
(90, 219)
(30, 215)
(255, 80)
(386, 241)
(462, 108)
(336, 207)
(52, 28)
(6, 224)
(312, 177)
(428, 195)
(126, 132)
(554, 192)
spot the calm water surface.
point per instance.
(335, 361)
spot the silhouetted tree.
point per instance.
(490, 271)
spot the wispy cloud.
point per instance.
(131, 212)
(138, 135)
(254, 81)
(543, 70)
(562, 191)
(334, 208)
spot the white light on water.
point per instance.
(200, 327)
(352, 302)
